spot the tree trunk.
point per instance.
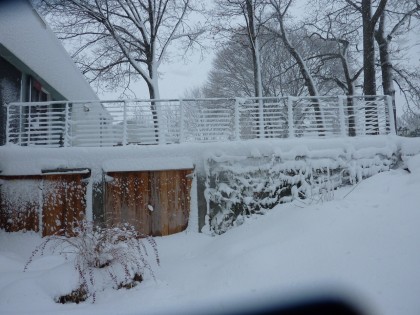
(154, 106)
(369, 83)
(254, 47)
(307, 77)
(386, 65)
(253, 38)
(350, 110)
(350, 90)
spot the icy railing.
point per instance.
(123, 122)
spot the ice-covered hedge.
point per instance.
(241, 186)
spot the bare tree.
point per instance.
(121, 40)
(279, 11)
(369, 21)
(409, 123)
(408, 81)
(344, 77)
(232, 73)
(339, 35)
(238, 19)
(281, 75)
(397, 19)
(400, 14)
(369, 12)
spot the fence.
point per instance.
(123, 122)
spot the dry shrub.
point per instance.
(75, 296)
(118, 253)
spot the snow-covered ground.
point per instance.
(363, 245)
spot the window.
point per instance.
(36, 92)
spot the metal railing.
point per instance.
(124, 122)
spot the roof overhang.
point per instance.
(24, 68)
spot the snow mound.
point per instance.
(413, 164)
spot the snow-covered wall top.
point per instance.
(16, 160)
(147, 164)
(25, 34)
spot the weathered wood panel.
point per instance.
(64, 203)
(19, 203)
(155, 202)
(59, 200)
(178, 198)
(143, 215)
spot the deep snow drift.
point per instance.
(363, 243)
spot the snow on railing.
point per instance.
(123, 122)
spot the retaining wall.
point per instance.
(230, 180)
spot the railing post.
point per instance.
(181, 122)
(290, 117)
(29, 124)
(66, 126)
(20, 125)
(237, 130)
(388, 102)
(161, 130)
(7, 124)
(261, 117)
(124, 132)
(341, 99)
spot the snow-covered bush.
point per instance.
(103, 257)
(241, 186)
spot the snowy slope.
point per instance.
(364, 243)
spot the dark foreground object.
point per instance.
(314, 307)
(308, 306)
